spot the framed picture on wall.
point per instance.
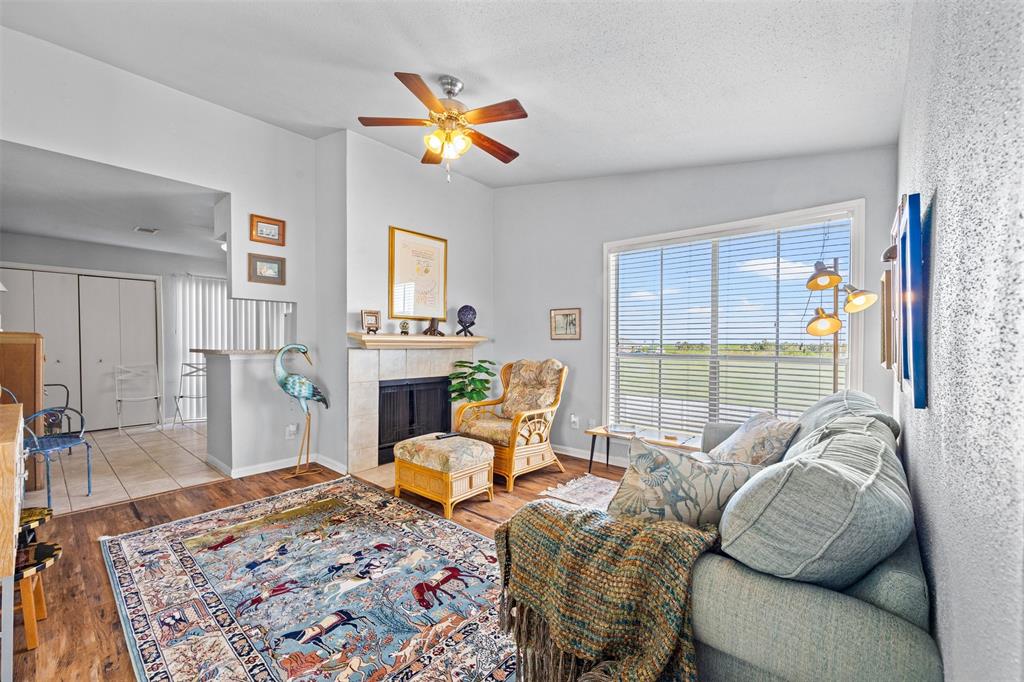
(565, 324)
(266, 269)
(266, 230)
(417, 275)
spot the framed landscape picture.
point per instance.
(266, 230)
(266, 269)
(417, 275)
(565, 324)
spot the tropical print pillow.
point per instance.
(762, 439)
(664, 484)
(532, 385)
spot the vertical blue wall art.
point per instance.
(914, 241)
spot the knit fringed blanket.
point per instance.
(591, 598)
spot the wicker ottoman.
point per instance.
(446, 470)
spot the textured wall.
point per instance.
(961, 146)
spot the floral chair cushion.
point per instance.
(445, 454)
(487, 426)
(532, 385)
(762, 439)
(665, 484)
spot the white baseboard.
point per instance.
(273, 465)
(619, 459)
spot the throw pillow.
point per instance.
(762, 439)
(825, 516)
(664, 484)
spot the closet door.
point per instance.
(16, 313)
(100, 329)
(56, 313)
(138, 342)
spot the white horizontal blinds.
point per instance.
(207, 318)
(713, 329)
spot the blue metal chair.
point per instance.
(56, 442)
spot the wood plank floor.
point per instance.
(82, 639)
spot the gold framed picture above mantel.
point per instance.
(417, 275)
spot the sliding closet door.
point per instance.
(138, 341)
(56, 313)
(16, 303)
(100, 315)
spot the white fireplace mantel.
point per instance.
(407, 341)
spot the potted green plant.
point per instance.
(471, 380)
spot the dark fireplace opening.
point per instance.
(410, 407)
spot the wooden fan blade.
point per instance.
(492, 146)
(384, 121)
(421, 90)
(502, 111)
(430, 157)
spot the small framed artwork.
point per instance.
(371, 321)
(417, 275)
(565, 324)
(266, 230)
(266, 269)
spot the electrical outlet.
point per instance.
(574, 421)
(290, 431)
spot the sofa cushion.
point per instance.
(532, 385)
(868, 426)
(842, 404)
(665, 484)
(897, 585)
(825, 516)
(762, 439)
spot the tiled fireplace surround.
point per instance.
(366, 369)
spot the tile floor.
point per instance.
(137, 463)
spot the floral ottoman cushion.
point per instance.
(444, 454)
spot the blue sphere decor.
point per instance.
(467, 318)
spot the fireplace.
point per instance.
(410, 407)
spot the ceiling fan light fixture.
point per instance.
(435, 141)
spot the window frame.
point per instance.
(855, 207)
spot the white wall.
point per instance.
(388, 187)
(62, 101)
(67, 253)
(549, 240)
(962, 148)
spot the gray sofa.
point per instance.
(755, 626)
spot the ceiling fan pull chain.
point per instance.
(448, 170)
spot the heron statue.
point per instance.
(304, 391)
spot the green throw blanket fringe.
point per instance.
(591, 598)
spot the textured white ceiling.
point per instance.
(47, 194)
(610, 87)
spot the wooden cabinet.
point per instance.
(21, 371)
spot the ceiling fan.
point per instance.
(452, 136)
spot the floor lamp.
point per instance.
(828, 324)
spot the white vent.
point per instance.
(145, 230)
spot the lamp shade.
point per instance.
(824, 324)
(2, 287)
(858, 299)
(823, 278)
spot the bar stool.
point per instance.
(31, 518)
(31, 560)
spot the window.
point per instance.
(710, 325)
(206, 318)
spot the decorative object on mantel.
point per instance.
(432, 329)
(471, 380)
(371, 321)
(467, 318)
(416, 341)
(266, 269)
(911, 237)
(452, 137)
(417, 275)
(303, 390)
(565, 324)
(403, 326)
(828, 324)
(266, 230)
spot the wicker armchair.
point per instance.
(518, 424)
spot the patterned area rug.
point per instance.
(588, 491)
(337, 581)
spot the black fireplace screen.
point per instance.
(411, 407)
